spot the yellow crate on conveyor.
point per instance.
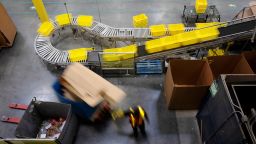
(63, 19)
(79, 54)
(171, 42)
(85, 20)
(176, 28)
(201, 6)
(117, 54)
(155, 45)
(140, 21)
(129, 51)
(45, 28)
(109, 57)
(207, 34)
(188, 38)
(210, 24)
(158, 30)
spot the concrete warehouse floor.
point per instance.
(23, 76)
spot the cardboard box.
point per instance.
(7, 28)
(186, 83)
(250, 56)
(233, 64)
(89, 86)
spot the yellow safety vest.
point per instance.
(141, 116)
(132, 120)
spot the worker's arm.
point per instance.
(146, 115)
(127, 113)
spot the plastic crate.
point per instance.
(82, 109)
(131, 52)
(45, 28)
(122, 53)
(201, 6)
(85, 20)
(176, 28)
(207, 34)
(111, 54)
(153, 46)
(63, 19)
(188, 38)
(210, 24)
(149, 67)
(140, 21)
(171, 42)
(158, 30)
(79, 54)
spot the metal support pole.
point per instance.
(41, 11)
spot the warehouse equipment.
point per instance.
(41, 11)
(227, 114)
(172, 42)
(36, 114)
(149, 67)
(230, 31)
(190, 15)
(14, 120)
(246, 12)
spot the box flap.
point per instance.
(2, 40)
(205, 77)
(169, 85)
(188, 72)
(227, 65)
(250, 56)
(242, 67)
(7, 26)
(187, 98)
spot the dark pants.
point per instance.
(141, 127)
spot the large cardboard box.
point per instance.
(90, 87)
(7, 28)
(233, 64)
(186, 83)
(250, 56)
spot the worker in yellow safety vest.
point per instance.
(137, 115)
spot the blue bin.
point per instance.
(82, 109)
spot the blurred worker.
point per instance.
(136, 118)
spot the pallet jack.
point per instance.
(14, 120)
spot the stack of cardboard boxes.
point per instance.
(90, 95)
(187, 82)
